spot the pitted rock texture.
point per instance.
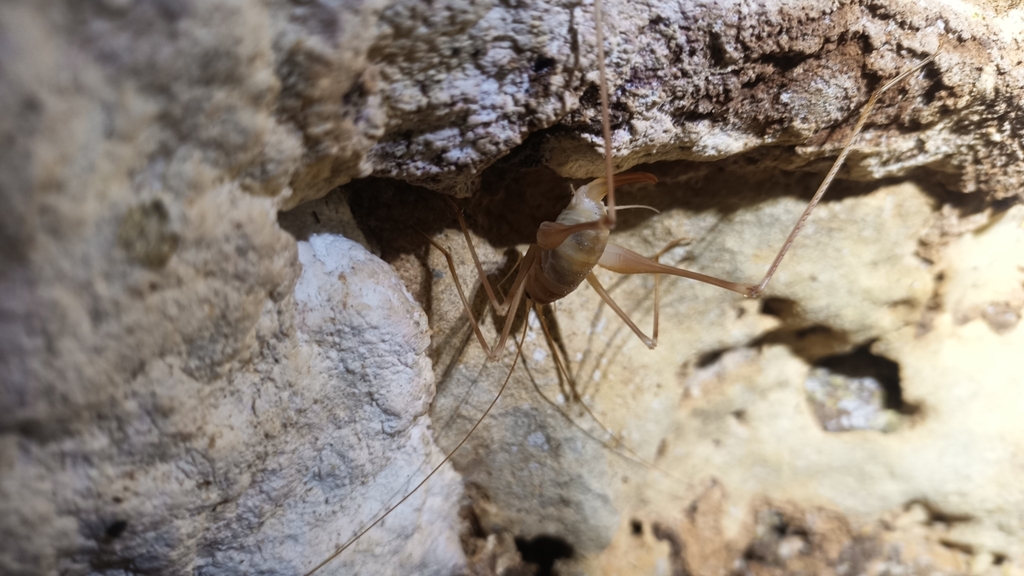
(723, 410)
(168, 403)
(184, 386)
(449, 88)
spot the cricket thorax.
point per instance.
(564, 268)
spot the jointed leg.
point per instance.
(631, 455)
(593, 281)
(625, 261)
(629, 262)
(500, 307)
(657, 284)
(516, 294)
(562, 368)
(756, 290)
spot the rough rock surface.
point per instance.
(722, 415)
(185, 386)
(181, 388)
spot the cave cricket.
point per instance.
(568, 249)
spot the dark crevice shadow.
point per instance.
(810, 342)
(936, 515)
(543, 551)
(394, 215)
(862, 363)
(327, 215)
(518, 193)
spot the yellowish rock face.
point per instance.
(722, 455)
(189, 385)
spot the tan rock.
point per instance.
(186, 387)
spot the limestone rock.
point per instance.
(185, 386)
(723, 404)
(168, 402)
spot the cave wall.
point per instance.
(206, 367)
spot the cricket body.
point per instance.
(563, 268)
(570, 247)
(568, 256)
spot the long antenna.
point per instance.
(447, 457)
(755, 291)
(606, 123)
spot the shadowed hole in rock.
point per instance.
(543, 551)
(937, 515)
(543, 64)
(961, 547)
(636, 527)
(709, 358)
(677, 549)
(810, 342)
(861, 362)
(858, 391)
(777, 539)
(781, 308)
(784, 62)
(115, 529)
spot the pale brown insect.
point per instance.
(568, 249)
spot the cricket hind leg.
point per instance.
(626, 452)
(625, 261)
(758, 288)
(552, 335)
